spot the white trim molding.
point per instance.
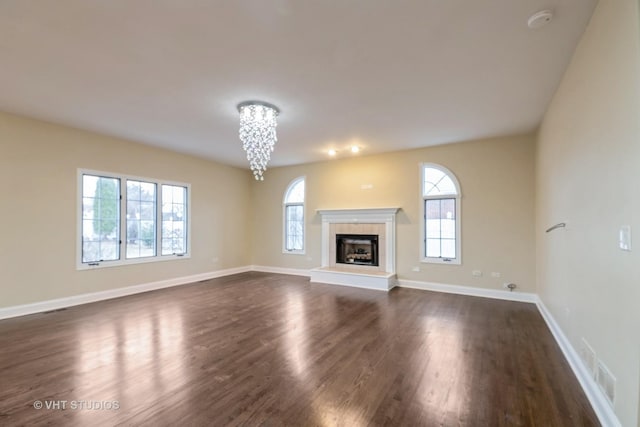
(469, 290)
(56, 304)
(598, 400)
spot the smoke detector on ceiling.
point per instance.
(540, 19)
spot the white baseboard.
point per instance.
(281, 270)
(598, 400)
(56, 304)
(469, 290)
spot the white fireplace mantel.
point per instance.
(386, 216)
(371, 215)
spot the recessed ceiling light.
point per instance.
(332, 152)
(355, 149)
(540, 19)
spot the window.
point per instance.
(174, 229)
(141, 219)
(117, 209)
(100, 218)
(294, 217)
(440, 239)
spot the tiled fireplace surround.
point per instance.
(380, 221)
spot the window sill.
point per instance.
(286, 252)
(135, 261)
(441, 261)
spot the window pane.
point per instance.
(448, 229)
(89, 185)
(101, 218)
(437, 183)
(174, 217)
(87, 207)
(141, 219)
(448, 224)
(148, 211)
(178, 194)
(167, 194)
(133, 209)
(133, 190)
(432, 178)
(433, 248)
(295, 194)
(166, 246)
(167, 228)
(448, 207)
(294, 227)
(448, 248)
(148, 192)
(440, 228)
(432, 209)
(433, 228)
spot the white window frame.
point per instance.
(304, 217)
(123, 260)
(423, 199)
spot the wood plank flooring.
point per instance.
(268, 349)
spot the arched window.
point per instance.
(294, 217)
(441, 215)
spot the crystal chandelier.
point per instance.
(258, 133)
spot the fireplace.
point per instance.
(357, 249)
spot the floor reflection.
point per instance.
(296, 340)
(135, 355)
(442, 346)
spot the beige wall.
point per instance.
(588, 172)
(497, 180)
(38, 184)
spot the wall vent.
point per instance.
(588, 356)
(607, 382)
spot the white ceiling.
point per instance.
(386, 75)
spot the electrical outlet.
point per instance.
(476, 273)
(416, 268)
(495, 274)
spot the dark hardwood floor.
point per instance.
(267, 349)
